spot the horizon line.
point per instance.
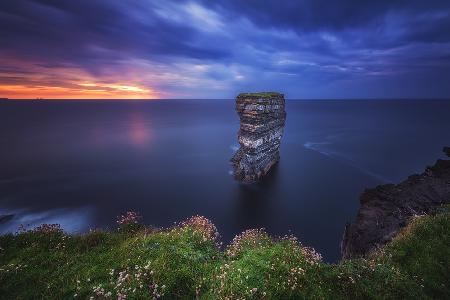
(157, 99)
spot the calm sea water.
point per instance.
(82, 163)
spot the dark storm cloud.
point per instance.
(306, 16)
(313, 48)
(90, 32)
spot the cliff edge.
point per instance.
(387, 208)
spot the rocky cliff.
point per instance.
(262, 117)
(387, 208)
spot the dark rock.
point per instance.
(447, 151)
(262, 117)
(387, 208)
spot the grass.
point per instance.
(260, 94)
(422, 251)
(186, 262)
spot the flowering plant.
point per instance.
(249, 238)
(48, 228)
(203, 226)
(129, 222)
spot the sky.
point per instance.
(217, 49)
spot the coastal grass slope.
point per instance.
(187, 261)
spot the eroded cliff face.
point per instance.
(387, 208)
(262, 117)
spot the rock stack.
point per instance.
(262, 117)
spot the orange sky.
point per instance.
(87, 90)
(31, 80)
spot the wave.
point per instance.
(71, 219)
(316, 146)
(234, 147)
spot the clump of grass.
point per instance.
(422, 251)
(260, 94)
(92, 239)
(260, 267)
(367, 279)
(204, 227)
(186, 261)
(249, 239)
(129, 222)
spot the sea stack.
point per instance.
(262, 117)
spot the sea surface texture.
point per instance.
(82, 163)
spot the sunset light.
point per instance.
(29, 79)
(78, 91)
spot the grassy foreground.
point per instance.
(186, 261)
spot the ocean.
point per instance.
(82, 163)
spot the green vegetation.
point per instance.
(186, 261)
(260, 94)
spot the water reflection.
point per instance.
(254, 202)
(135, 129)
(140, 133)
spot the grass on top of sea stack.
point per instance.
(260, 95)
(186, 261)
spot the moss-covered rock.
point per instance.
(260, 95)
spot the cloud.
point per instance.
(215, 49)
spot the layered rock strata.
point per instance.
(262, 117)
(387, 208)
